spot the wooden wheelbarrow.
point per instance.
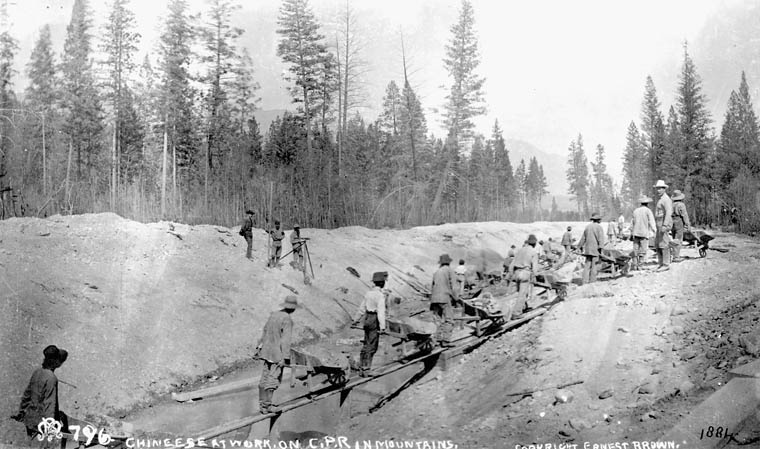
(336, 369)
(472, 311)
(413, 334)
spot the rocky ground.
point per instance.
(633, 354)
(145, 309)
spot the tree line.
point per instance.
(719, 174)
(100, 128)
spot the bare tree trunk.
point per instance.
(113, 168)
(340, 118)
(163, 172)
(44, 159)
(412, 131)
(68, 172)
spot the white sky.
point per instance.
(553, 69)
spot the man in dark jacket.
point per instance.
(246, 230)
(40, 399)
(591, 247)
(274, 350)
(681, 223)
(443, 291)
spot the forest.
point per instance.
(172, 135)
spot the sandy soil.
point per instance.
(144, 311)
(641, 351)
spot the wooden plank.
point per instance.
(728, 408)
(216, 390)
(751, 369)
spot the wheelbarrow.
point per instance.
(550, 280)
(614, 261)
(413, 334)
(336, 368)
(700, 239)
(475, 310)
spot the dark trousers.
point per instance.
(276, 252)
(249, 241)
(677, 233)
(590, 268)
(371, 339)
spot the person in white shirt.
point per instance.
(373, 311)
(460, 271)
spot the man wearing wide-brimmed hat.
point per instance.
(443, 291)
(643, 228)
(663, 217)
(591, 244)
(373, 311)
(246, 230)
(522, 271)
(680, 223)
(40, 399)
(274, 350)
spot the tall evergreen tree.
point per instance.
(412, 128)
(81, 102)
(176, 97)
(670, 165)
(652, 135)
(465, 99)
(697, 153)
(635, 165)
(42, 90)
(577, 174)
(505, 181)
(739, 141)
(521, 184)
(8, 49)
(389, 121)
(302, 47)
(601, 188)
(119, 44)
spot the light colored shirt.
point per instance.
(275, 340)
(526, 257)
(374, 301)
(664, 211)
(460, 271)
(567, 239)
(643, 222)
(277, 236)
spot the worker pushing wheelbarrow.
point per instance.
(700, 239)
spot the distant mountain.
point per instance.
(554, 165)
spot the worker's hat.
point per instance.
(249, 212)
(643, 199)
(569, 228)
(277, 222)
(296, 226)
(677, 195)
(291, 302)
(660, 183)
(532, 239)
(444, 259)
(52, 352)
(596, 216)
(379, 276)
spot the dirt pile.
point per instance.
(145, 308)
(632, 355)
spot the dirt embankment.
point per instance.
(142, 310)
(641, 351)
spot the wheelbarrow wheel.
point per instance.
(702, 252)
(562, 293)
(627, 267)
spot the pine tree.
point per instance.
(389, 121)
(465, 99)
(671, 165)
(81, 102)
(302, 48)
(412, 128)
(176, 97)
(652, 135)
(8, 49)
(635, 164)
(42, 92)
(739, 143)
(244, 91)
(697, 142)
(521, 184)
(119, 44)
(505, 181)
(601, 188)
(577, 174)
